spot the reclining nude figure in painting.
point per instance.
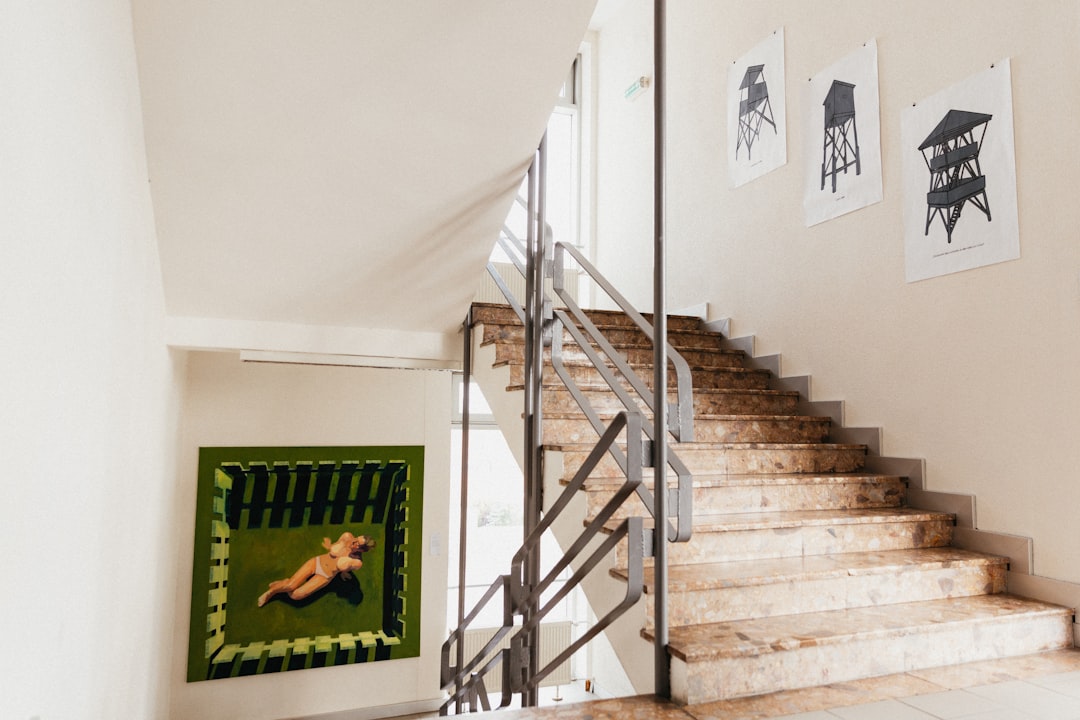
(341, 558)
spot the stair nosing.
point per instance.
(685, 446)
(795, 519)
(1031, 609)
(962, 558)
(706, 480)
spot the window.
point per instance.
(495, 523)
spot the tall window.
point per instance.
(567, 208)
(495, 522)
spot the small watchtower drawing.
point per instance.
(754, 108)
(841, 147)
(951, 153)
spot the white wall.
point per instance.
(88, 389)
(230, 403)
(976, 371)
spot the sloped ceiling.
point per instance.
(341, 163)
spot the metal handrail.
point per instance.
(683, 427)
(681, 424)
(683, 503)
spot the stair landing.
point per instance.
(1011, 687)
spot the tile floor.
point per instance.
(1036, 687)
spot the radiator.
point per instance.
(489, 292)
(554, 638)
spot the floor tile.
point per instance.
(1033, 699)
(951, 704)
(1064, 683)
(1002, 714)
(884, 710)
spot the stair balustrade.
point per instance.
(628, 439)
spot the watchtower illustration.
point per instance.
(951, 153)
(841, 147)
(754, 108)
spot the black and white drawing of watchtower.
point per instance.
(841, 147)
(951, 153)
(754, 108)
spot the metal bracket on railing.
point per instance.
(647, 542)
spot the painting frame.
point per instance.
(260, 513)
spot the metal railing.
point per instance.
(586, 334)
(538, 259)
(518, 595)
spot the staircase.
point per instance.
(803, 568)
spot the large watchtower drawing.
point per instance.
(951, 153)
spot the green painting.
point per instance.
(305, 557)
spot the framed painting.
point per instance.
(305, 557)
(757, 111)
(959, 167)
(842, 124)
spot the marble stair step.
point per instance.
(633, 353)
(576, 428)
(731, 458)
(749, 536)
(703, 377)
(721, 592)
(679, 338)
(751, 657)
(718, 494)
(491, 313)
(707, 401)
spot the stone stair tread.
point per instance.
(602, 387)
(620, 344)
(642, 367)
(753, 480)
(482, 308)
(604, 324)
(604, 414)
(746, 573)
(779, 520)
(756, 637)
(810, 518)
(672, 392)
(691, 446)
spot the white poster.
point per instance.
(960, 177)
(756, 111)
(842, 136)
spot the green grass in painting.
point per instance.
(259, 556)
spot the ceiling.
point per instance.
(340, 163)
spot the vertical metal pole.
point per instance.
(463, 530)
(534, 354)
(532, 566)
(662, 662)
(530, 321)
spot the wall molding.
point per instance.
(317, 345)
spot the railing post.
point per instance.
(534, 358)
(466, 382)
(662, 672)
